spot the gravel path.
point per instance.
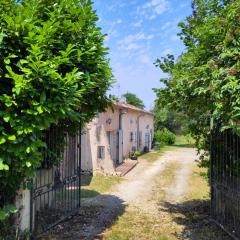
(179, 187)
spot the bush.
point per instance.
(54, 70)
(165, 136)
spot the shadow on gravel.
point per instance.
(95, 216)
(195, 217)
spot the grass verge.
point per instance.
(95, 185)
(135, 225)
(155, 154)
(184, 141)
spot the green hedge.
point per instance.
(53, 70)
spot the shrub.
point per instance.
(54, 70)
(165, 136)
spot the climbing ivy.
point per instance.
(53, 69)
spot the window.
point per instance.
(131, 136)
(101, 152)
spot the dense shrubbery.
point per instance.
(164, 137)
(172, 120)
(53, 70)
(204, 82)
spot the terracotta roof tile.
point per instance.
(132, 107)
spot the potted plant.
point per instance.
(133, 155)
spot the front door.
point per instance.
(147, 140)
(120, 147)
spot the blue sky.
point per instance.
(139, 32)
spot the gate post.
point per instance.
(23, 202)
(80, 166)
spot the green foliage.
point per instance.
(132, 99)
(165, 137)
(53, 71)
(204, 83)
(172, 120)
(184, 141)
(7, 211)
(7, 228)
(136, 153)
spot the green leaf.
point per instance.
(3, 167)
(23, 61)
(28, 164)
(6, 118)
(6, 211)
(17, 90)
(3, 215)
(2, 35)
(39, 109)
(43, 97)
(19, 132)
(12, 209)
(28, 150)
(7, 61)
(2, 140)
(12, 137)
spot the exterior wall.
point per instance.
(132, 122)
(103, 131)
(129, 125)
(97, 134)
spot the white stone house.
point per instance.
(110, 137)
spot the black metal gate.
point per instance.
(56, 187)
(225, 180)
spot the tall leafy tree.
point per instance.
(53, 70)
(172, 120)
(204, 82)
(132, 98)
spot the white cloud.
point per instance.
(167, 51)
(145, 59)
(168, 28)
(135, 49)
(132, 38)
(153, 8)
(133, 46)
(112, 32)
(157, 6)
(119, 21)
(122, 5)
(138, 23)
(183, 5)
(167, 25)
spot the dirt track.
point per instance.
(98, 214)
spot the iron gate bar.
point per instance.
(225, 180)
(56, 192)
